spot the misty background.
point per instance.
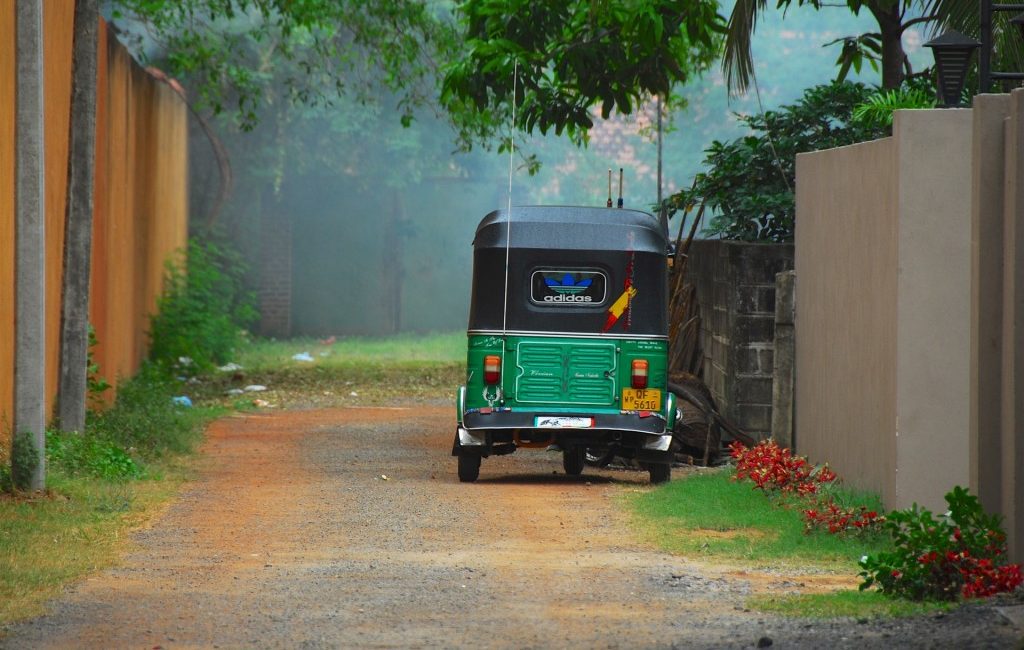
(373, 221)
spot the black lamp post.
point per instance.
(985, 74)
(952, 53)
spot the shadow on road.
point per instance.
(562, 479)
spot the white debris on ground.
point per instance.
(229, 367)
(302, 356)
(255, 388)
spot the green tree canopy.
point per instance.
(749, 185)
(562, 58)
(317, 50)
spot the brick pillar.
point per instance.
(275, 273)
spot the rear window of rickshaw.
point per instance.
(568, 287)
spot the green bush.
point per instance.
(24, 460)
(750, 182)
(89, 455)
(963, 552)
(145, 418)
(876, 110)
(95, 383)
(203, 311)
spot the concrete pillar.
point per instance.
(1012, 411)
(987, 177)
(784, 367)
(933, 158)
(30, 239)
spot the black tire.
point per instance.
(660, 472)
(469, 467)
(573, 459)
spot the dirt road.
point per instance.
(292, 537)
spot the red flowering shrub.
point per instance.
(838, 519)
(959, 554)
(775, 469)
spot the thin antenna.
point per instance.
(609, 187)
(508, 216)
(620, 187)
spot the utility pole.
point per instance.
(74, 328)
(30, 239)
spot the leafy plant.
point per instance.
(24, 460)
(145, 418)
(876, 111)
(775, 469)
(202, 311)
(750, 182)
(89, 455)
(962, 552)
(95, 383)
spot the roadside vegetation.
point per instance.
(136, 452)
(131, 457)
(710, 516)
(101, 483)
(777, 512)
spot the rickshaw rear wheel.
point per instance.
(660, 472)
(573, 459)
(469, 467)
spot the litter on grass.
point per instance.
(302, 356)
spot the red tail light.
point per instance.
(492, 369)
(639, 374)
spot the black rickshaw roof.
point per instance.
(572, 228)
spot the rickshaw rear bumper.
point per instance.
(637, 422)
(633, 435)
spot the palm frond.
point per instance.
(737, 60)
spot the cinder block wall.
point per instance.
(735, 284)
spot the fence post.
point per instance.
(30, 236)
(784, 369)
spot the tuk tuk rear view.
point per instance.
(568, 339)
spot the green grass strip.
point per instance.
(712, 516)
(846, 603)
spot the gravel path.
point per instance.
(293, 537)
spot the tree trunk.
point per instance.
(30, 239)
(894, 58)
(74, 331)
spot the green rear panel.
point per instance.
(553, 374)
(561, 373)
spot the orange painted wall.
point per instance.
(140, 214)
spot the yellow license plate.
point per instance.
(641, 399)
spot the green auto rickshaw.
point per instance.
(568, 339)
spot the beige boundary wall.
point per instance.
(909, 293)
